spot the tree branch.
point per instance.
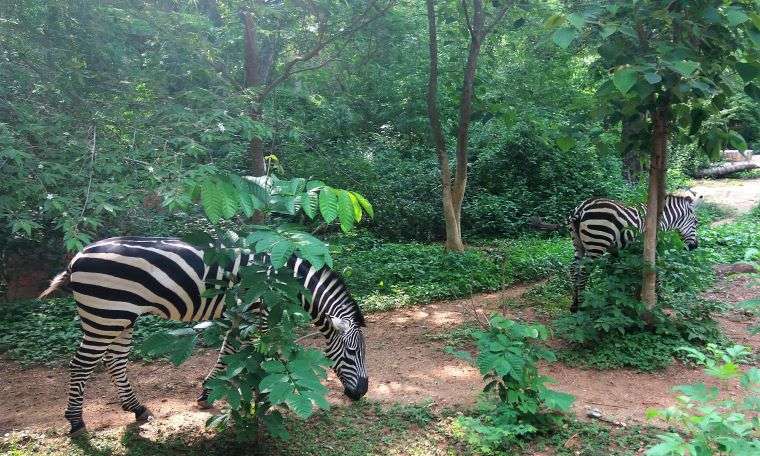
(361, 21)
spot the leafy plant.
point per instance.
(713, 426)
(268, 369)
(518, 402)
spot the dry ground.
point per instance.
(405, 364)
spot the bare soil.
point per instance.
(737, 195)
(407, 364)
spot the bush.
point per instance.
(517, 402)
(611, 316)
(47, 332)
(389, 275)
(533, 258)
(713, 426)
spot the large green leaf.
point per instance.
(748, 71)
(736, 15)
(685, 67)
(736, 140)
(212, 200)
(624, 78)
(345, 211)
(328, 204)
(562, 37)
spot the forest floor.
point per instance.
(406, 359)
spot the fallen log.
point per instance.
(725, 169)
(537, 223)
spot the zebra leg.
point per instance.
(116, 360)
(578, 277)
(92, 348)
(226, 349)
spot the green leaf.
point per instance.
(565, 143)
(554, 21)
(300, 405)
(328, 204)
(653, 78)
(624, 78)
(275, 425)
(577, 20)
(685, 67)
(736, 15)
(281, 252)
(212, 201)
(737, 141)
(557, 400)
(345, 211)
(365, 205)
(199, 239)
(310, 204)
(672, 444)
(748, 71)
(562, 37)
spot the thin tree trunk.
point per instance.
(451, 220)
(253, 79)
(655, 201)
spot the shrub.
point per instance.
(611, 314)
(517, 401)
(713, 426)
(531, 258)
(390, 275)
(47, 332)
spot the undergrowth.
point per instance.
(47, 332)
(383, 275)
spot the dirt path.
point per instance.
(406, 365)
(737, 195)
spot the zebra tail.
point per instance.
(60, 281)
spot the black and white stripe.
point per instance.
(600, 225)
(116, 280)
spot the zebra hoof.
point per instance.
(78, 430)
(143, 416)
(203, 404)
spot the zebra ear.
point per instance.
(340, 324)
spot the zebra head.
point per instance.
(678, 214)
(345, 344)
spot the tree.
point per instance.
(281, 39)
(453, 191)
(674, 63)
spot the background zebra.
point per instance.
(600, 225)
(116, 280)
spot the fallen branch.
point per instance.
(308, 336)
(537, 223)
(725, 169)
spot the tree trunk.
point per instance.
(450, 216)
(253, 79)
(655, 201)
(725, 170)
(453, 193)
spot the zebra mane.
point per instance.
(357, 311)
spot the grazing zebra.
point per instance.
(600, 225)
(118, 279)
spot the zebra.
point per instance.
(116, 280)
(601, 225)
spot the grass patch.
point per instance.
(47, 332)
